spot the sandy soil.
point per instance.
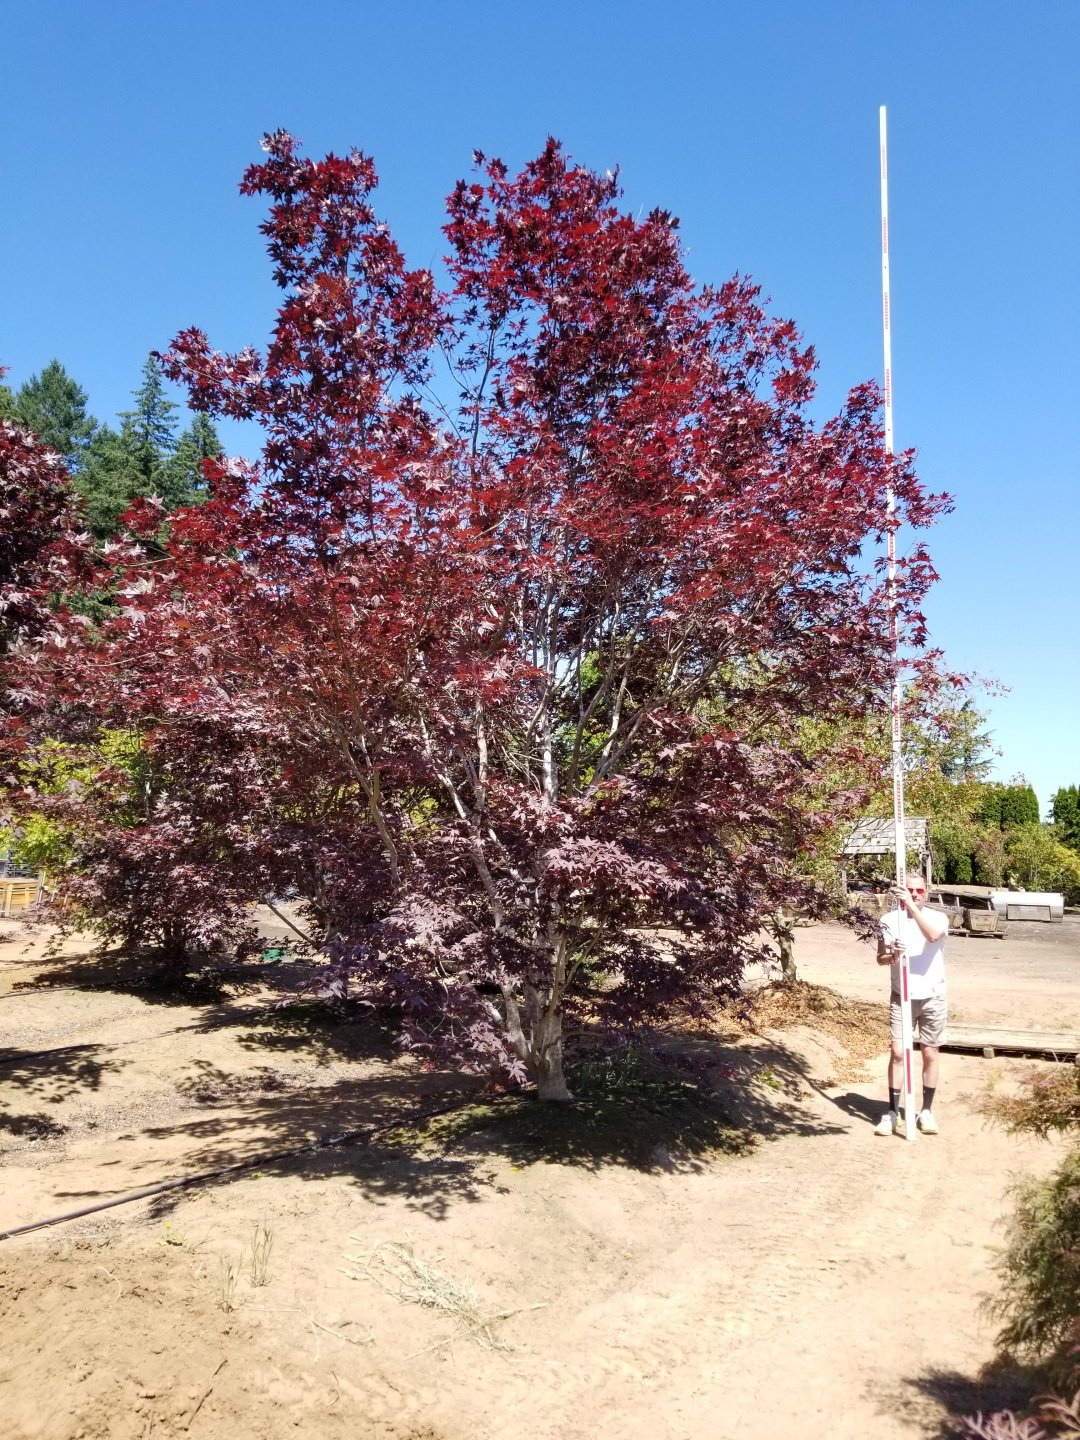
(823, 1284)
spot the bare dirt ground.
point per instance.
(817, 1283)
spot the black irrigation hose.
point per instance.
(349, 1137)
(48, 990)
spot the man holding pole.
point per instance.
(921, 934)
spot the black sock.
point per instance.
(894, 1101)
(928, 1092)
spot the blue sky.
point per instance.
(127, 125)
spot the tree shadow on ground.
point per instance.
(31, 1127)
(57, 1075)
(634, 1109)
(325, 1032)
(1003, 1385)
(153, 978)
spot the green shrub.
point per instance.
(1040, 1268)
(1039, 1300)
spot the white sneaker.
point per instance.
(927, 1124)
(891, 1123)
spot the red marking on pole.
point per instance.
(894, 630)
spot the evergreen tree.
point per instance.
(1009, 806)
(1019, 806)
(967, 754)
(53, 406)
(138, 459)
(111, 477)
(151, 427)
(990, 809)
(183, 480)
(112, 467)
(1065, 808)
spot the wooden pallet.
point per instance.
(992, 1039)
(17, 894)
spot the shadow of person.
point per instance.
(859, 1107)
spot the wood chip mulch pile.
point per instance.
(860, 1026)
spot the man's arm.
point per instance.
(886, 946)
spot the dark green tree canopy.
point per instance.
(53, 406)
(1065, 808)
(182, 480)
(150, 426)
(1008, 806)
(111, 477)
(143, 457)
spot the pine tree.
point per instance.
(968, 754)
(111, 477)
(1008, 806)
(990, 810)
(53, 406)
(183, 481)
(151, 427)
(138, 459)
(1065, 808)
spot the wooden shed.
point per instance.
(872, 838)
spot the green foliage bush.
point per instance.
(1065, 808)
(1039, 1300)
(1040, 1268)
(990, 858)
(1038, 861)
(1007, 806)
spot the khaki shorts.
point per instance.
(928, 1020)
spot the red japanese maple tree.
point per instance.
(499, 656)
(37, 508)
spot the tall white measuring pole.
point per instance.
(907, 1033)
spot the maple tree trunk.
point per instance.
(535, 1032)
(174, 942)
(548, 1052)
(785, 944)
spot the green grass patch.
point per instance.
(629, 1109)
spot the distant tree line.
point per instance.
(1065, 808)
(982, 832)
(144, 454)
(1007, 806)
(1003, 840)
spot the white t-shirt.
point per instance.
(926, 958)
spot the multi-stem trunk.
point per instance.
(547, 1055)
(784, 933)
(534, 1028)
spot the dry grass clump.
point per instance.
(860, 1026)
(400, 1272)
